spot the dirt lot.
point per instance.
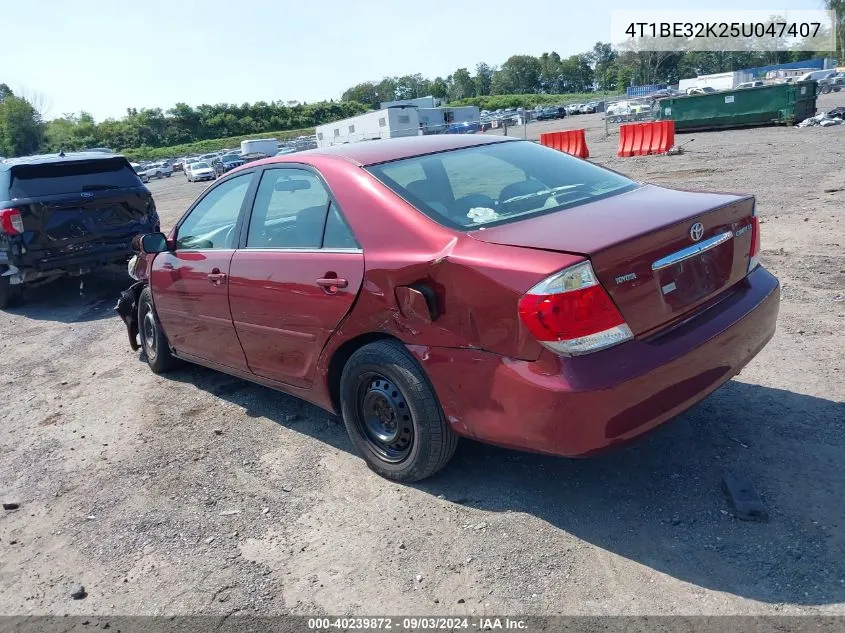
(129, 483)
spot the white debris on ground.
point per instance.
(825, 119)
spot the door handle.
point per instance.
(331, 284)
(217, 278)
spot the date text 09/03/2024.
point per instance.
(417, 623)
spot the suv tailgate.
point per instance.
(70, 208)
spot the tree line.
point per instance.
(23, 129)
(602, 68)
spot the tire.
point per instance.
(153, 340)
(10, 295)
(825, 90)
(380, 382)
(167, 175)
(158, 175)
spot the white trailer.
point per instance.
(436, 120)
(717, 81)
(267, 146)
(390, 123)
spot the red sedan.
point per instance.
(442, 286)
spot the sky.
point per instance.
(105, 56)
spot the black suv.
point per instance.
(66, 214)
(554, 112)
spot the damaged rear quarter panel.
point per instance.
(477, 285)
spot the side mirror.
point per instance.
(153, 243)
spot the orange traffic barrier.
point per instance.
(568, 141)
(642, 139)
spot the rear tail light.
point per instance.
(571, 314)
(754, 258)
(11, 222)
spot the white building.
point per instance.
(390, 123)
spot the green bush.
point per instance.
(209, 145)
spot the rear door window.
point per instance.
(48, 179)
(289, 210)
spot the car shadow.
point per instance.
(90, 297)
(660, 501)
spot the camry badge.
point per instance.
(696, 231)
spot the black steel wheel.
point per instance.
(383, 417)
(392, 414)
(153, 340)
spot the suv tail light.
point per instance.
(11, 222)
(571, 314)
(754, 258)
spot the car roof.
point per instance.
(385, 150)
(40, 159)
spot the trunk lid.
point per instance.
(642, 249)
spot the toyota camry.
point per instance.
(438, 287)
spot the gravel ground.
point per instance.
(199, 493)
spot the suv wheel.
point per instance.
(9, 294)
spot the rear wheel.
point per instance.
(153, 340)
(10, 294)
(392, 414)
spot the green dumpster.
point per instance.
(767, 105)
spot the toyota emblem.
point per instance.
(696, 231)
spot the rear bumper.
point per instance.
(583, 405)
(80, 257)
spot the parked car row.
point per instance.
(513, 116)
(590, 107)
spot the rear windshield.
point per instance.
(498, 183)
(47, 179)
